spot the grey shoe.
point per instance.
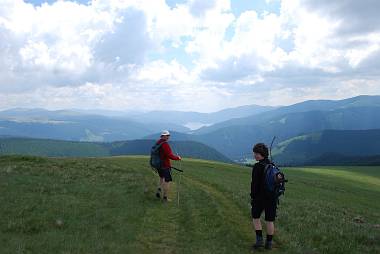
(259, 243)
(158, 193)
(268, 245)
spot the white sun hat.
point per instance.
(165, 133)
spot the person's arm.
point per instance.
(168, 152)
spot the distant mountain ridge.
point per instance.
(329, 147)
(363, 101)
(186, 118)
(107, 125)
(71, 125)
(59, 148)
(234, 138)
(236, 141)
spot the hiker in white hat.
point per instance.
(164, 171)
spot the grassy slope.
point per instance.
(50, 147)
(106, 205)
(312, 148)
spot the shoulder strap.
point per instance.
(267, 166)
(160, 144)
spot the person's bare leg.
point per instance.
(270, 227)
(270, 232)
(257, 224)
(160, 188)
(166, 188)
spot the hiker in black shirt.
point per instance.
(261, 200)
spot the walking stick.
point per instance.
(179, 181)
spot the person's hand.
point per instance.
(179, 158)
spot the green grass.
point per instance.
(107, 205)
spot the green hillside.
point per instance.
(330, 147)
(190, 149)
(234, 138)
(52, 148)
(106, 205)
(59, 148)
(236, 141)
(335, 109)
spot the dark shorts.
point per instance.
(267, 205)
(165, 173)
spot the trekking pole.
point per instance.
(270, 150)
(177, 169)
(180, 176)
(179, 181)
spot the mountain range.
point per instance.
(232, 132)
(322, 147)
(61, 148)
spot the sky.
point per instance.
(189, 55)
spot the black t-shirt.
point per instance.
(257, 182)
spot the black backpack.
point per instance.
(155, 159)
(274, 180)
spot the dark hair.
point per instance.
(262, 149)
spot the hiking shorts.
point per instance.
(165, 173)
(267, 205)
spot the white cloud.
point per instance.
(118, 53)
(160, 71)
(318, 54)
(251, 51)
(208, 38)
(45, 44)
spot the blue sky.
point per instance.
(237, 6)
(39, 2)
(188, 55)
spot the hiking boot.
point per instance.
(158, 193)
(259, 243)
(268, 245)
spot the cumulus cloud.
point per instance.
(355, 17)
(128, 42)
(118, 54)
(301, 47)
(51, 44)
(199, 7)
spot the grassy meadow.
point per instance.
(107, 205)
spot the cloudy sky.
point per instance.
(201, 55)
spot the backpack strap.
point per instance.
(159, 145)
(266, 166)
